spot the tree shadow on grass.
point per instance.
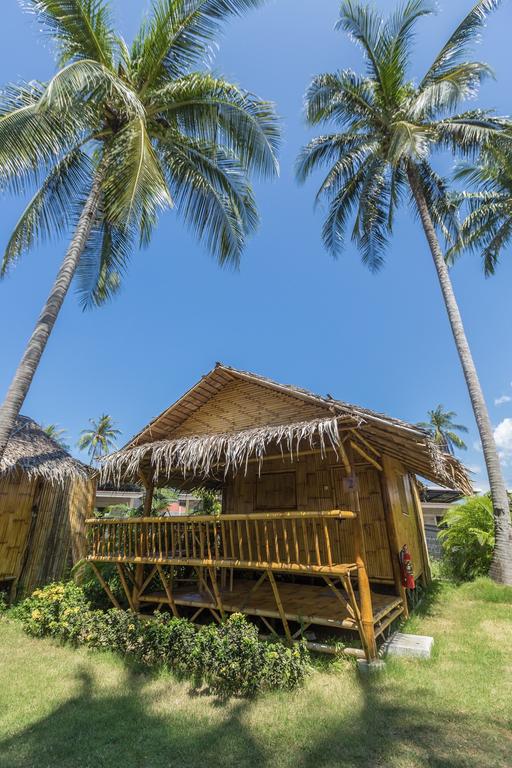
(128, 729)
(388, 732)
(102, 731)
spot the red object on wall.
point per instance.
(407, 568)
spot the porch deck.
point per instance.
(302, 603)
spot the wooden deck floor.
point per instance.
(309, 604)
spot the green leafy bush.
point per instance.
(467, 538)
(229, 658)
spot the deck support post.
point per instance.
(213, 579)
(122, 578)
(137, 586)
(365, 595)
(169, 589)
(280, 608)
(104, 585)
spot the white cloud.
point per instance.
(477, 446)
(502, 400)
(503, 438)
(475, 468)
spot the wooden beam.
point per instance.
(105, 585)
(280, 606)
(366, 456)
(365, 442)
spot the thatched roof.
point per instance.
(231, 417)
(31, 451)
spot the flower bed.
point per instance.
(229, 658)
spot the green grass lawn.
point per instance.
(66, 708)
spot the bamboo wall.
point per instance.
(404, 505)
(315, 484)
(42, 529)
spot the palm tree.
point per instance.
(117, 135)
(57, 434)
(441, 427)
(386, 127)
(487, 228)
(100, 439)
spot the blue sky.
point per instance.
(291, 312)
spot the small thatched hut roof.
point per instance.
(231, 417)
(31, 451)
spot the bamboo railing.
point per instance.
(287, 541)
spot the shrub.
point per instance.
(229, 658)
(50, 610)
(468, 538)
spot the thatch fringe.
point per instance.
(31, 451)
(201, 456)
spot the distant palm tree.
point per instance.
(443, 429)
(100, 439)
(386, 127)
(120, 133)
(58, 434)
(487, 228)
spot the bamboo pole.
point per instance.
(122, 578)
(365, 597)
(280, 607)
(168, 587)
(105, 585)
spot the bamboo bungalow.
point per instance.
(45, 496)
(318, 499)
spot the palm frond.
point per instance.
(90, 84)
(340, 210)
(82, 29)
(210, 109)
(445, 91)
(343, 96)
(33, 138)
(212, 193)
(329, 149)
(395, 42)
(458, 44)
(365, 26)
(371, 227)
(179, 35)
(134, 187)
(467, 133)
(53, 207)
(103, 263)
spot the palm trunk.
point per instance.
(27, 367)
(501, 567)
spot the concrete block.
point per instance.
(413, 646)
(370, 667)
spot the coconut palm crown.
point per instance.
(386, 127)
(119, 134)
(443, 429)
(100, 438)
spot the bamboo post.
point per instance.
(122, 578)
(427, 573)
(365, 597)
(148, 482)
(280, 608)
(105, 585)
